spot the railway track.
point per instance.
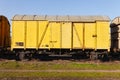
(106, 71)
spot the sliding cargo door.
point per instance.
(55, 35)
(89, 36)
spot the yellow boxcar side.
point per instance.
(44, 32)
(103, 35)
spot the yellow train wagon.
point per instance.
(4, 33)
(60, 34)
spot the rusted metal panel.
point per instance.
(4, 32)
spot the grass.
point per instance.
(61, 75)
(58, 66)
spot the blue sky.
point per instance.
(10, 8)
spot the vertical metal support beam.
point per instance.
(96, 36)
(12, 36)
(50, 36)
(83, 36)
(72, 25)
(25, 36)
(37, 36)
(60, 36)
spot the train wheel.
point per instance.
(93, 56)
(21, 56)
(105, 57)
(30, 56)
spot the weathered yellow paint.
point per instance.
(77, 35)
(103, 35)
(89, 34)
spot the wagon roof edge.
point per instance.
(69, 18)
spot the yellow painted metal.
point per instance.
(90, 36)
(77, 35)
(103, 35)
(18, 34)
(31, 34)
(60, 35)
(44, 35)
(66, 35)
(55, 35)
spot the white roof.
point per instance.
(61, 18)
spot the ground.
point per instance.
(59, 69)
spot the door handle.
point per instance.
(94, 35)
